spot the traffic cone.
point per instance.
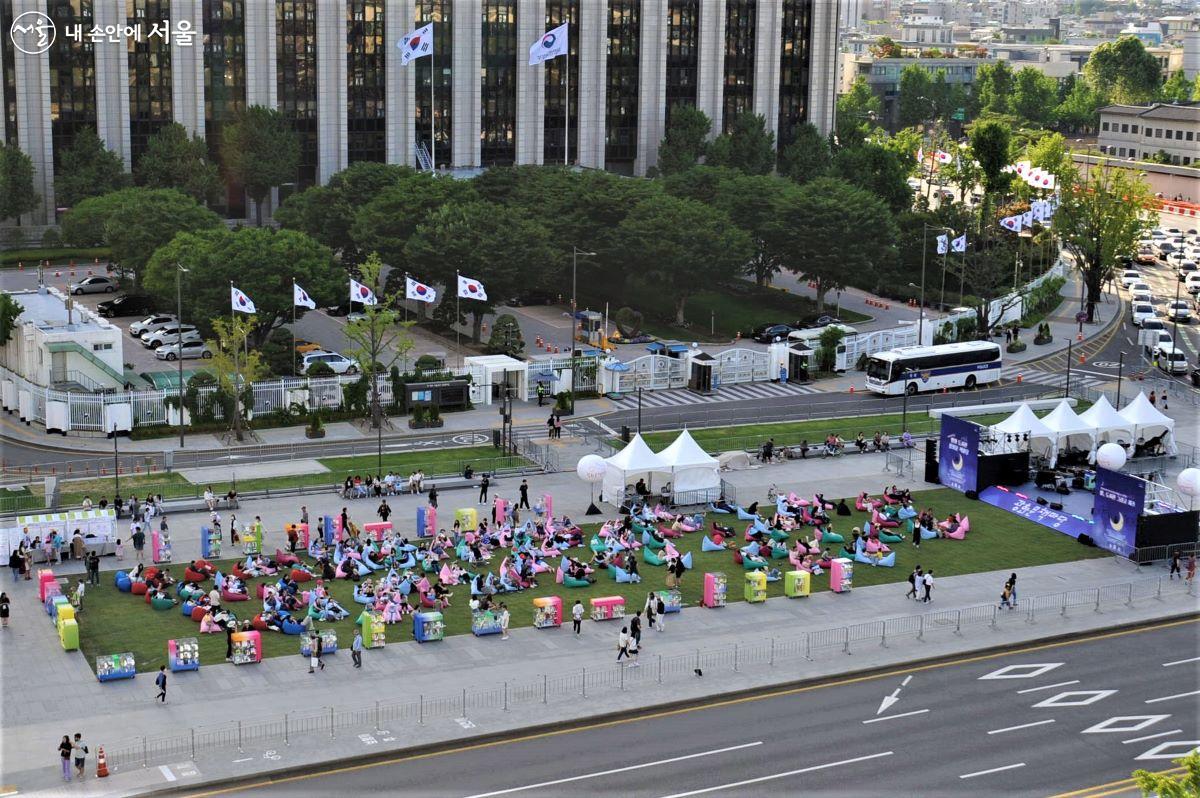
(851, 389)
(1018, 379)
(1082, 360)
(101, 764)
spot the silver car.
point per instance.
(169, 335)
(191, 348)
(96, 284)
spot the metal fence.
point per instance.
(537, 689)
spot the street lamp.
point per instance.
(924, 252)
(179, 272)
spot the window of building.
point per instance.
(498, 128)
(1121, 151)
(1189, 135)
(101, 347)
(1104, 126)
(621, 94)
(150, 107)
(72, 75)
(296, 57)
(8, 75)
(366, 77)
(558, 12)
(683, 52)
(1133, 129)
(794, 69)
(440, 13)
(740, 18)
(1124, 128)
(224, 81)
(1158, 132)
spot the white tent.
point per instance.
(636, 461)
(692, 468)
(1023, 421)
(1149, 422)
(1070, 432)
(1107, 422)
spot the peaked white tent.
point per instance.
(1149, 422)
(692, 468)
(1070, 432)
(636, 461)
(1023, 421)
(1108, 423)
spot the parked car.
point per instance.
(1186, 268)
(303, 347)
(1141, 312)
(1179, 310)
(820, 321)
(1170, 359)
(339, 363)
(169, 335)
(533, 296)
(344, 308)
(1196, 377)
(771, 333)
(96, 284)
(191, 348)
(153, 322)
(127, 305)
(1129, 277)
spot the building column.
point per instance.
(400, 90)
(531, 84)
(112, 81)
(822, 72)
(332, 93)
(33, 117)
(710, 81)
(768, 47)
(187, 69)
(593, 81)
(467, 63)
(262, 85)
(652, 84)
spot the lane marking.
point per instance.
(1161, 751)
(1022, 726)
(1152, 736)
(167, 774)
(247, 759)
(761, 779)
(993, 770)
(901, 715)
(908, 679)
(1048, 687)
(600, 773)
(274, 782)
(1064, 699)
(1171, 697)
(1180, 662)
(1124, 724)
(1026, 671)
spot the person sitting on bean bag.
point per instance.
(754, 559)
(271, 620)
(208, 625)
(442, 595)
(138, 574)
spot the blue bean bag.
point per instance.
(928, 534)
(745, 516)
(188, 606)
(573, 582)
(752, 548)
(708, 545)
(290, 627)
(123, 582)
(774, 575)
(760, 525)
(887, 562)
(712, 508)
(362, 598)
(687, 560)
(620, 574)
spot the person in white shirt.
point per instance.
(87, 502)
(211, 500)
(577, 616)
(927, 581)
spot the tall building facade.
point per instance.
(333, 69)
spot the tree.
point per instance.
(857, 112)
(990, 141)
(748, 146)
(16, 182)
(830, 228)
(916, 102)
(1123, 71)
(987, 273)
(686, 140)
(1169, 785)
(1051, 154)
(261, 261)
(683, 246)
(377, 337)
(88, 169)
(877, 169)
(886, 47)
(1080, 108)
(1176, 89)
(236, 365)
(10, 311)
(146, 219)
(1101, 217)
(807, 157)
(506, 337)
(497, 245)
(174, 160)
(1034, 95)
(260, 151)
(993, 87)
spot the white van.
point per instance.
(1192, 283)
(1170, 359)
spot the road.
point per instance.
(1043, 720)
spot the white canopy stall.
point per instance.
(1070, 432)
(1110, 427)
(693, 470)
(1148, 422)
(1024, 422)
(636, 461)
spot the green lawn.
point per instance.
(115, 622)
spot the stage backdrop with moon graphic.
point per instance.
(1120, 501)
(958, 454)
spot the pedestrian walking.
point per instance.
(293, 537)
(1191, 571)
(913, 578)
(64, 753)
(1175, 565)
(524, 495)
(15, 558)
(504, 620)
(304, 514)
(927, 581)
(635, 646)
(485, 482)
(160, 681)
(139, 540)
(79, 752)
(623, 640)
(1164, 400)
(93, 568)
(635, 627)
(550, 426)
(916, 539)
(356, 648)
(384, 511)
(577, 617)
(660, 611)
(1006, 597)
(557, 426)
(651, 610)
(1012, 588)
(433, 496)
(3, 610)
(1153, 399)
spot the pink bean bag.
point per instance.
(958, 534)
(283, 558)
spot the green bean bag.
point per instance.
(750, 565)
(650, 558)
(779, 534)
(596, 544)
(832, 537)
(779, 554)
(650, 543)
(571, 581)
(161, 603)
(885, 537)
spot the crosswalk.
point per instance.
(1052, 379)
(729, 393)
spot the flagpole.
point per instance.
(406, 296)
(567, 101)
(949, 243)
(432, 79)
(457, 317)
(293, 326)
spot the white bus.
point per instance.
(910, 369)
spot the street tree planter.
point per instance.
(426, 424)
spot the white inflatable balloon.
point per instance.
(1189, 481)
(591, 468)
(1111, 456)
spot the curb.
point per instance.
(268, 777)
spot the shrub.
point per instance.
(51, 238)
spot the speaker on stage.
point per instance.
(1087, 540)
(931, 465)
(973, 494)
(1041, 501)
(1056, 505)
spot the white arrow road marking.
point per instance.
(888, 700)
